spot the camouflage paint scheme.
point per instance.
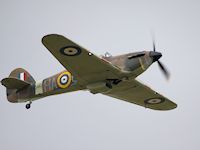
(110, 75)
(39, 89)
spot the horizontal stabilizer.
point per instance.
(14, 83)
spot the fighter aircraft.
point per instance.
(114, 76)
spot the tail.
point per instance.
(20, 86)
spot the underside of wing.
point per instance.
(84, 65)
(138, 93)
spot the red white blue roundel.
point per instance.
(70, 50)
(64, 79)
(154, 101)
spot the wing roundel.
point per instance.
(84, 65)
(140, 94)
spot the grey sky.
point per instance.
(80, 120)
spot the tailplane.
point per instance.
(14, 83)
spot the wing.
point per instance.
(138, 93)
(84, 65)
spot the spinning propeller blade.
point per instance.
(164, 70)
(161, 66)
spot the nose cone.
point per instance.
(155, 55)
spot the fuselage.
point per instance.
(131, 65)
(128, 63)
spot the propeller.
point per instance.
(156, 55)
(154, 45)
(164, 70)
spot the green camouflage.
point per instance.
(110, 75)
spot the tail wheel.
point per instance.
(28, 106)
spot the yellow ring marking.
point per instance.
(68, 82)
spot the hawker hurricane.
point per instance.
(114, 76)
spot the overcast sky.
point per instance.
(80, 120)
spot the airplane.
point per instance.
(114, 76)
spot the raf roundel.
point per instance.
(70, 50)
(64, 80)
(154, 101)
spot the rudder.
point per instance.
(23, 75)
